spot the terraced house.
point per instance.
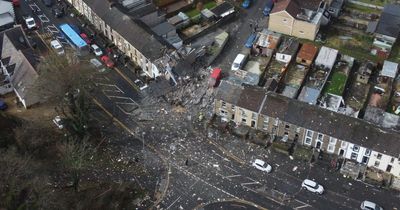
(124, 31)
(292, 120)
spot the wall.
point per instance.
(281, 22)
(304, 30)
(384, 161)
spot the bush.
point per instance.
(281, 147)
(302, 153)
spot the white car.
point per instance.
(368, 205)
(239, 62)
(30, 22)
(312, 186)
(58, 121)
(262, 165)
(57, 47)
(140, 84)
(96, 50)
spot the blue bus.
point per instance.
(74, 39)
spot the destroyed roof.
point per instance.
(251, 98)
(290, 6)
(223, 9)
(337, 125)
(389, 69)
(289, 46)
(389, 21)
(228, 92)
(146, 43)
(307, 52)
(163, 28)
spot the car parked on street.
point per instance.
(48, 3)
(250, 40)
(57, 12)
(109, 63)
(262, 165)
(268, 7)
(96, 50)
(3, 105)
(368, 205)
(57, 47)
(30, 22)
(312, 186)
(59, 122)
(86, 38)
(246, 4)
(239, 61)
(140, 84)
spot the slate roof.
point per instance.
(251, 98)
(334, 124)
(290, 6)
(389, 22)
(228, 92)
(163, 28)
(133, 31)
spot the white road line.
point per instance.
(304, 206)
(251, 179)
(124, 98)
(35, 7)
(52, 29)
(110, 85)
(232, 176)
(43, 18)
(123, 110)
(250, 183)
(174, 202)
(231, 169)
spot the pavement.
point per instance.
(193, 166)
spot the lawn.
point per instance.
(336, 83)
(359, 8)
(377, 2)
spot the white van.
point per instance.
(239, 62)
(57, 47)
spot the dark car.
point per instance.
(48, 3)
(57, 12)
(3, 105)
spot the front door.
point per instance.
(318, 145)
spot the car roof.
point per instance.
(369, 204)
(310, 182)
(261, 162)
(239, 57)
(55, 43)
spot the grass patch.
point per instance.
(395, 53)
(210, 5)
(336, 84)
(377, 2)
(302, 153)
(192, 13)
(362, 9)
(281, 147)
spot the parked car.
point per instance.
(215, 77)
(30, 22)
(86, 38)
(57, 12)
(57, 47)
(109, 63)
(96, 50)
(98, 65)
(16, 3)
(140, 84)
(312, 186)
(59, 122)
(268, 7)
(3, 105)
(48, 3)
(239, 62)
(368, 205)
(250, 40)
(262, 165)
(246, 4)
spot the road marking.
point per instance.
(232, 169)
(130, 100)
(174, 202)
(34, 7)
(52, 29)
(304, 206)
(43, 18)
(250, 183)
(127, 79)
(233, 176)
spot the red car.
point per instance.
(86, 38)
(109, 63)
(15, 3)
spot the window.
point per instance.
(379, 156)
(320, 137)
(301, 32)
(223, 112)
(243, 112)
(356, 148)
(253, 116)
(244, 120)
(298, 129)
(287, 126)
(331, 148)
(389, 168)
(376, 164)
(223, 104)
(233, 108)
(308, 137)
(368, 152)
(344, 144)
(392, 160)
(285, 20)
(354, 156)
(332, 140)
(276, 122)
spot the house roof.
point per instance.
(223, 9)
(307, 52)
(251, 98)
(389, 69)
(337, 125)
(228, 92)
(163, 28)
(326, 57)
(289, 46)
(133, 31)
(381, 118)
(290, 6)
(389, 21)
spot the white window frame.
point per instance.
(322, 137)
(332, 140)
(344, 144)
(332, 146)
(308, 138)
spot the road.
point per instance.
(206, 166)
